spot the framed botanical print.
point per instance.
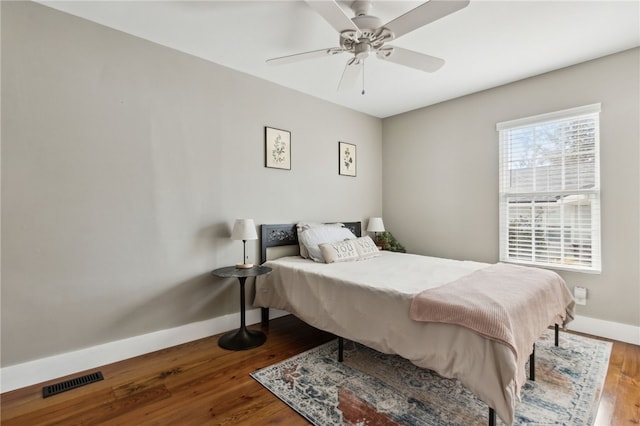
(277, 148)
(346, 159)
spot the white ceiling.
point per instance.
(487, 44)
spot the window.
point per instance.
(550, 189)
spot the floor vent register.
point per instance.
(57, 388)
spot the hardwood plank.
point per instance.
(201, 383)
(50, 412)
(630, 365)
(120, 407)
(627, 407)
(609, 394)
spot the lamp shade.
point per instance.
(244, 229)
(375, 225)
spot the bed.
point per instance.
(370, 301)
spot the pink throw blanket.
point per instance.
(510, 304)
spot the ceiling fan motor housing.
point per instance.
(372, 34)
(368, 24)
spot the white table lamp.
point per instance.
(375, 225)
(244, 229)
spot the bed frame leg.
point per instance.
(557, 335)
(492, 417)
(532, 364)
(340, 349)
(264, 319)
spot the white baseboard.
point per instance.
(40, 370)
(608, 329)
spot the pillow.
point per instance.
(313, 237)
(341, 251)
(366, 248)
(303, 226)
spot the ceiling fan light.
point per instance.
(362, 50)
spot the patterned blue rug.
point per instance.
(371, 388)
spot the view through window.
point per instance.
(550, 189)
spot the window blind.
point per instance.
(550, 189)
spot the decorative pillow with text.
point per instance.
(341, 251)
(366, 247)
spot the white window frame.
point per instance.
(556, 205)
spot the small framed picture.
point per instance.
(277, 148)
(347, 159)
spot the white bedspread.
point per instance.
(368, 302)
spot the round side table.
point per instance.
(242, 338)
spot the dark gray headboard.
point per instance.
(287, 235)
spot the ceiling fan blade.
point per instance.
(335, 16)
(304, 56)
(423, 15)
(411, 59)
(350, 74)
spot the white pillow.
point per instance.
(340, 251)
(366, 248)
(303, 226)
(313, 237)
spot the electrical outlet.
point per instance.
(580, 295)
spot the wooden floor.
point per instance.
(199, 383)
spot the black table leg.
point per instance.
(242, 338)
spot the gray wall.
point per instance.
(124, 164)
(440, 170)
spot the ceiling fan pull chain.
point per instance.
(363, 77)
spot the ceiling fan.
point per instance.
(365, 34)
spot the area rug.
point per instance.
(371, 388)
